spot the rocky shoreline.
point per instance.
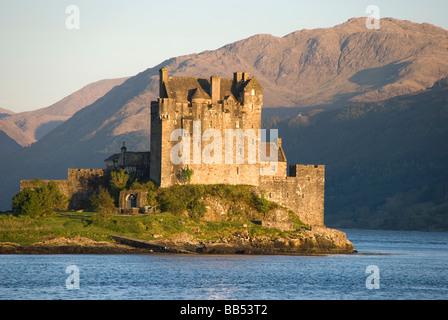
(61, 245)
(318, 240)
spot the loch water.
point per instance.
(389, 265)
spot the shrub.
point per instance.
(103, 203)
(42, 199)
(262, 205)
(178, 199)
(27, 202)
(119, 179)
(118, 182)
(186, 174)
(196, 209)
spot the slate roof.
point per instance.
(183, 89)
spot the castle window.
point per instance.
(287, 194)
(252, 92)
(237, 170)
(210, 124)
(237, 124)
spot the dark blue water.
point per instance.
(410, 266)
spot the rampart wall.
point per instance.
(303, 191)
(79, 186)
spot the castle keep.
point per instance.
(197, 106)
(213, 127)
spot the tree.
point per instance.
(42, 199)
(103, 203)
(118, 182)
(119, 179)
(27, 202)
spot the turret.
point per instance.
(163, 78)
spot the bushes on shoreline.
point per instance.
(41, 200)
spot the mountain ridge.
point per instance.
(28, 127)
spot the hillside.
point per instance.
(331, 66)
(27, 127)
(5, 112)
(387, 162)
(8, 145)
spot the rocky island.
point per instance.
(211, 183)
(218, 220)
(307, 242)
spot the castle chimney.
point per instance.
(215, 88)
(163, 78)
(237, 76)
(246, 76)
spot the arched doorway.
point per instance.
(131, 201)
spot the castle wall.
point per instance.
(62, 184)
(79, 186)
(303, 192)
(156, 144)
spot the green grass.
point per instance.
(25, 230)
(182, 207)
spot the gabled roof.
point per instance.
(199, 93)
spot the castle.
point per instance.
(212, 126)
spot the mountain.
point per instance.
(8, 145)
(5, 112)
(26, 128)
(387, 162)
(331, 66)
(326, 68)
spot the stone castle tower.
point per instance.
(194, 107)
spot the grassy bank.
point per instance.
(25, 230)
(183, 213)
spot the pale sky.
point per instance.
(43, 61)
